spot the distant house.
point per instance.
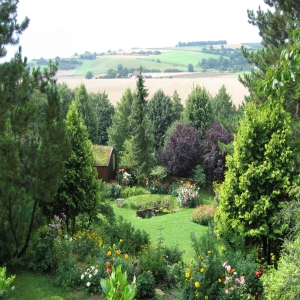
(135, 74)
(105, 161)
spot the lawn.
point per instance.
(175, 227)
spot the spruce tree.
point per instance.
(141, 134)
(79, 191)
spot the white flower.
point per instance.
(92, 267)
(70, 239)
(88, 284)
(90, 276)
(82, 276)
(96, 271)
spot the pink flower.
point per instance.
(225, 263)
(228, 268)
(226, 292)
(237, 280)
(232, 288)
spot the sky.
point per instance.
(64, 27)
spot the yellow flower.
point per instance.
(202, 270)
(108, 253)
(187, 275)
(197, 285)
(118, 252)
(121, 240)
(206, 297)
(126, 256)
(219, 280)
(149, 271)
(209, 251)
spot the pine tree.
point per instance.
(120, 129)
(31, 141)
(275, 28)
(177, 105)
(79, 190)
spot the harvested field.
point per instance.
(184, 85)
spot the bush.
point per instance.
(203, 214)
(5, 282)
(145, 285)
(159, 188)
(133, 191)
(114, 190)
(133, 239)
(90, 278)
(188, 197)
(86, 243)
(172, 255)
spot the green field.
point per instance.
(181, 57)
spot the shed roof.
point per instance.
(102, 154)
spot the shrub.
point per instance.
(145, 285)
(133, 191)
(90, 278)
(114, 190)
(173, 254)
(123, 230)
(203, 214)
(159, 188)
(5, 282)
(188, 197)
(86, 243)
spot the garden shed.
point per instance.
(105, 161)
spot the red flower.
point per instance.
(107, 264)
(108, 271)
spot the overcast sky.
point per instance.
(63, 27)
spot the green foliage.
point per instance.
(283, 282)
(89, 75)
(161, 112)
(5, 282)
(133, 191)
(120, 129)
(198, 111)
(79, 189)
(159, 172)
(114, 190)
(259, 173)
(133, 239)
(141, 135)
(104, 111)
(145, 285)
(159, 188)
(116, 286)
(151, 259)
(90, 279)
(204, 214)
(172, 254)
(199, 176)
(190, 68)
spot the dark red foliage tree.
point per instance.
(183, 151)
(214, 157)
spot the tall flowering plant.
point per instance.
(188, 197)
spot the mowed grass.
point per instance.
(34, 286)
(84, 68)
(175, 228)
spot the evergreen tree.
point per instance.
(161, 114)
(198, 111)
(177, 106)
(86, 111)
(141, 134)
(259, 173)
(275, 28)
(66, 96)
(120, 129)
(104, 111)
(79, 191)
(32, 140)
